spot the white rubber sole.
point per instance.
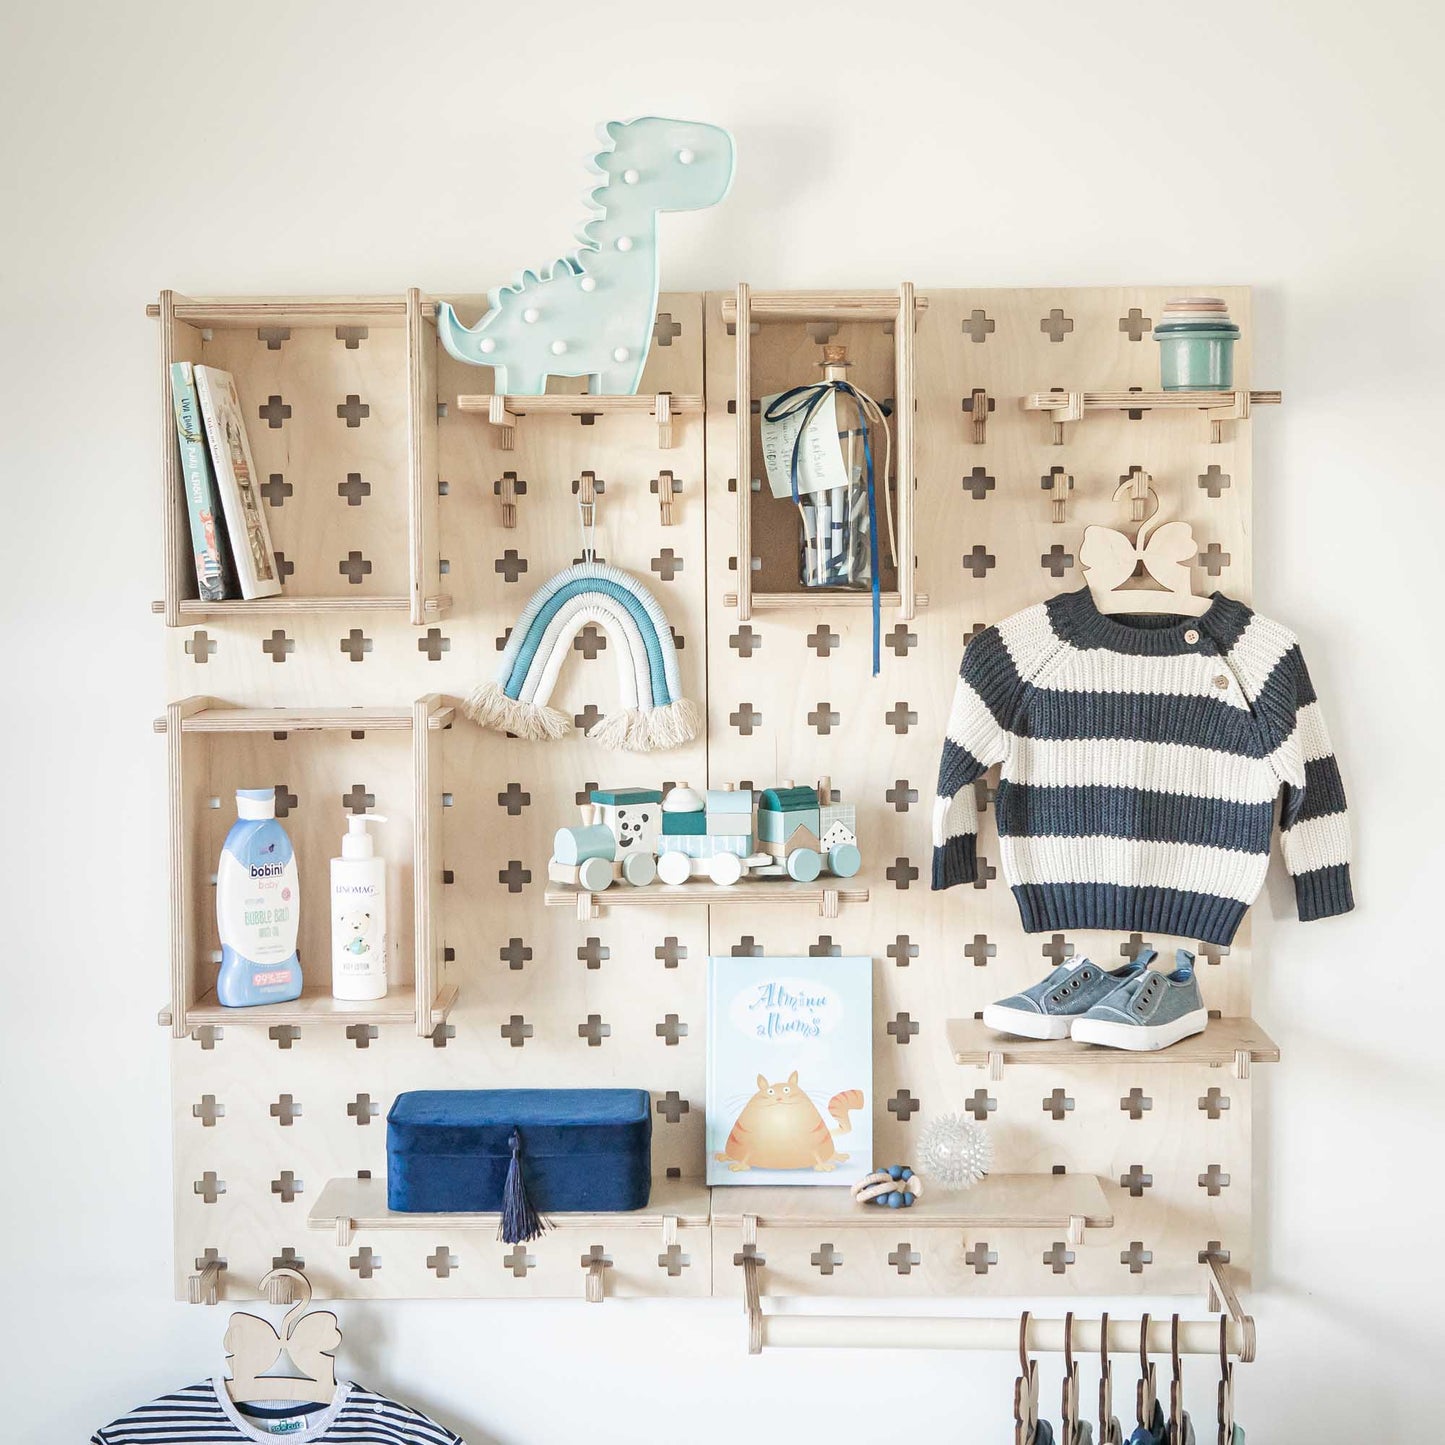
(1026, 1025)
(1139, 1038)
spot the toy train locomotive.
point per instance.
(638, 835)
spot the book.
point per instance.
(250, 537)
(214, 578)
(789, 1070)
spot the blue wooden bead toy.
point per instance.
(894, 1187)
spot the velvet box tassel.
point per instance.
(520, 1222)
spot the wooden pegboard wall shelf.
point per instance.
(1219, 406)
(504, 412)
(336, 393)
(659, 895)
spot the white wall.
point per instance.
(367, 146)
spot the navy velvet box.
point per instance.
(447, 1150)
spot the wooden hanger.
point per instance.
(1176, 1385)
(1110, 559)
(1147, 1393)
(1109, 1431)
(1026, 1389)
(1226, 1385)
(1069, 1405)
(253, 1347)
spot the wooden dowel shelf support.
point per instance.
(504, 412)
(1219, 406)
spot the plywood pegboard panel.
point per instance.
(264, 1119)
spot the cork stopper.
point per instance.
(835, 356)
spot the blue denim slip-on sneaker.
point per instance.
(1147, 1013)
(1046, 1010)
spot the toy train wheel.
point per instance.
(804, 865)
(674, 868)
(639, 869)
(594, 875)
(725, 869)
(844, 860)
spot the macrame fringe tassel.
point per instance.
(647, 730)
(521, 1224)
(492, 708)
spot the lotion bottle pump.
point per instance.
(358, 914)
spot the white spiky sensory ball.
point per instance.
(954, 1152)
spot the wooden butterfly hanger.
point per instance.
(1110, 560)
(310, 1342)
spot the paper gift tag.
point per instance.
(820, 458)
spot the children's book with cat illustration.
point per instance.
(789, 1070)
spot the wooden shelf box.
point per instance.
(325, 763)
(336, 394)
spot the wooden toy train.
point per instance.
(636, 835)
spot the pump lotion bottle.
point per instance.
(358, 915)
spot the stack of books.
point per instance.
(229, 534)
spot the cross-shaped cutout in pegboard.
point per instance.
(1214, 1250)
(514, 797)
(1214, 559)
(672, 1106)
(826, 1259)
(1057, 1104)
(209, 1187)
(590, 642)
(979, 561)
(588, 718)
(595, 1255)
(358, 800)
(745, 641)
(285, 1111)
(978, 484)
(594, 1031)
(515, 954)
(354, 488)
(980, 950)
(514, 875)
(583, 796)
(1213, 1180)
(746, 718)
(1056, 561)
(201, 646)
(208, 1111)
(901, 873)
(823, 640)
(276, 489)
(747, 947)
(1136, 1103)
(670, 952)
(273, 336)
(594, 953)
(366, 1261)
(284, 566)
(1214, 1101)
(902, 950)
(904, 1105)
(363, 1108)
(821, 332)
(671, 1030)
(207, 1036)
(1133, 946)
(749, 1254)
(824, 718)
(901, 795)
(362, 1035)
(665, 330)
(1213, 954)
(442, 1034)
(900, 639)
(1057, 949)
(441, 1262)
(286, 801)
(287, 1259)
(274, 413)
(278, 646)
(1136, 1181)
(903, 1028)
(978, 326)
(984, 872)
(1056, 325)
(900, 717)
(673, 1260)
(1136, 413)
(1136, 1256)
(519, 1262)
(510, 565)
(825, 947)
(1135, 325)
(284, 1035)
(356, 644)
(981, 1257)
(667, 564)
(516, 1031)
(433, 644)
(352, 336)
(1058, 1256)
(287, 1186)
(353, 411)
(1214, 481)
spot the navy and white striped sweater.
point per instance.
(1141, 763)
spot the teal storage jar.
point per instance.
(1196, 357)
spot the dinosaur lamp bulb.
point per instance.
(558, 347)
(624, 243)
(486, 344)
(530, 315)
(685, 157)
(621, 354)
(631, 177)
(588, 283)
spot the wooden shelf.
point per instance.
(504, 411)
(1235, 1042)
(345, 1206)
(433, 607)
(1219, 406)
(661, 895)
(821, 306)
(1002, 1201)
(220, 719)
(398, 1007)
(814, 598)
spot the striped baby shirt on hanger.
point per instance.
(1142, 760)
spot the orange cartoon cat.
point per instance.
(780, 1128)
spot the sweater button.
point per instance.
(1221, 682)
(1191, 637)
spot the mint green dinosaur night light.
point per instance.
(591, 313)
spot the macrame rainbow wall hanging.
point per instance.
(654, 714)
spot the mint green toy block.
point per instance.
(729, 800)
(572, 846)
(729, 825)
(780, 799)
(684, 825)
(591, 312)
(615, 797)
(778, 827)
